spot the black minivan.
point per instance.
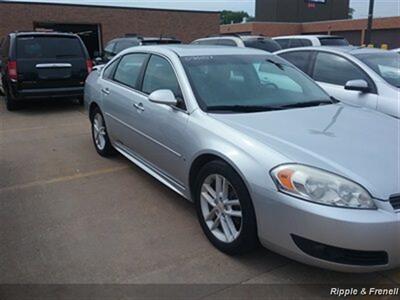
(43, 65)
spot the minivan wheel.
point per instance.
(225, 209)
(99, 134)
(11, 103)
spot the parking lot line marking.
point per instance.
(62, 179)
(39, 127)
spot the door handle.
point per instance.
(105, 91)
(139, 106)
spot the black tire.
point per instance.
(247, 239)
(108, 149)
(11, 103)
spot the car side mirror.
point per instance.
(166, 97)
(357, 85)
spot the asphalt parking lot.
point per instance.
(68, 215)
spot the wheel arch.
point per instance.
(92, 106)
(206, 157)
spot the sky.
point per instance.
(383, 8)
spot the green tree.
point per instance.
(351, 12)
(228, 16)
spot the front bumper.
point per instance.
(282, 218)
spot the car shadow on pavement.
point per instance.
(41, 106)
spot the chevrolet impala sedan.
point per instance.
(263, 152)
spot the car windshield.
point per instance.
(250, 83)
(386, 64)
(334, 41)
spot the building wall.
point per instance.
(385, 30)
(299, 10)
(115, 22)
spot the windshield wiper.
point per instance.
(242, 108)
(306, 104)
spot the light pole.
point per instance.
(368, 33)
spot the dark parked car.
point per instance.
(43, 64)
(115, 46)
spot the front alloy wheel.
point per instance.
(225, 209)
(221, 208)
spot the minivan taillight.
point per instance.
(89, 65)
(12, 70)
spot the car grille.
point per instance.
(395, 201)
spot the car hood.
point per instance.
(360, 144)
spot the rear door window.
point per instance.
(301, 59)
(109, 71)
(129, 68)
(37, 47)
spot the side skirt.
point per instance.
(173, 185)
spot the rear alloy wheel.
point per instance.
(99, 133)
(225, 209)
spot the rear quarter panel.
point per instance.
(93, 87)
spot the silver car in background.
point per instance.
(263, 152)
(364, 77)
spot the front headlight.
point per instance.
(321, 187)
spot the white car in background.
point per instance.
(364, 77)
(296, 41)
(241, 41)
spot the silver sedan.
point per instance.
(365, 77)
(263, 152)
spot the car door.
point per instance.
(120, 95)
(164, 127)
(332, 72)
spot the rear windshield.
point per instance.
(48, 47)
(263, 44)
(334, 41)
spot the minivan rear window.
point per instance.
(36, 47)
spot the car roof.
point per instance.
(352, 50)
(202, 50)
(309, 36)
(141, 38)
(43, 33)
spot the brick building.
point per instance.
(99, 24)
(301, 10)
(385, 30)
